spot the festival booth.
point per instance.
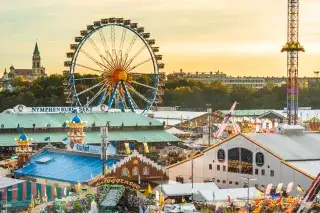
(18, 192)
(313, 124)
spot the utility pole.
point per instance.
(317, 75)
(192, 169)
(248, 179)
(104, 136)
(209, 111)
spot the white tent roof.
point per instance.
(5, 182)
(222, 194)
(184, 189)
(176, 131)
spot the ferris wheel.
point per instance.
(114, 64)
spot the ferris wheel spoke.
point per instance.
(94, 60)
(139, 94)
(123, 38)
(88, 89)
(89, 68)
(81, 79)
(128, 97)
(104, 43)
(129, 48)
(96, 95)
(134, 56)
(144, 85)
(97, 50)
(137, 65)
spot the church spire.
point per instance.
(36, 49)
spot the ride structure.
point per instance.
(119, 65)
(292, 47)
(76, 134)
(23, 149)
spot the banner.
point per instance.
(87, 148)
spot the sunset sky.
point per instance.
(238, 37)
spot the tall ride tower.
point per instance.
(292, 48)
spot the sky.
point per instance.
(238, 37)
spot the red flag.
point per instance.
(229, 199)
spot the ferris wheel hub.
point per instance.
(119, 74)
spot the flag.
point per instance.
(161, 199)
(229, 199)
(289, 188)
(38, 195)
(106, 170)
(140, 209)
(128, 151)
(46, 138)
(148, 191)
(31, 205)
(65, 139)
(183, 200)
(299, 188)
(65, 191)
(139, 180)
(146, 148)
(279, 187)
(268, 189)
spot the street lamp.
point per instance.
(9, 190)
(248, 179)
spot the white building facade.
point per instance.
(221, 163)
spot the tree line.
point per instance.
(49, 91)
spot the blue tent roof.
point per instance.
(23, 137)
(76, 119)
(67, 167)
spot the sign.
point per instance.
(221, 155)
(87, 148)
(101, 181)
(58, 109)
(61, 109)
(6, 205)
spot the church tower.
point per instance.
(36, 61)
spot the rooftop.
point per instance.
(56, 120)
(294, 147)
(7, 139)
(66, 166)
(185, 188)
(5, 182)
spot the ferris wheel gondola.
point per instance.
(113, 62)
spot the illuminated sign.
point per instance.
(100, 181)
(61, 109)
(87, 148)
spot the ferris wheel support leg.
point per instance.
(111, 99)
(128, 96)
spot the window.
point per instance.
(224, 181)
(259, 159)
(240, 161)
(218, 181)
(262, 172)
(236, 183)
(256, 171)
(210, 166)
(179, 179)
(224, 168)
(271, 173)
(218, 167)
(230, 182)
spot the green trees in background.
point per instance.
(48, 91)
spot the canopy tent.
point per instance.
(175, 131)
(221, 195)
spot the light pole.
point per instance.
(104, 144)
(209, 111)
(248, 179)
(192, 168)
